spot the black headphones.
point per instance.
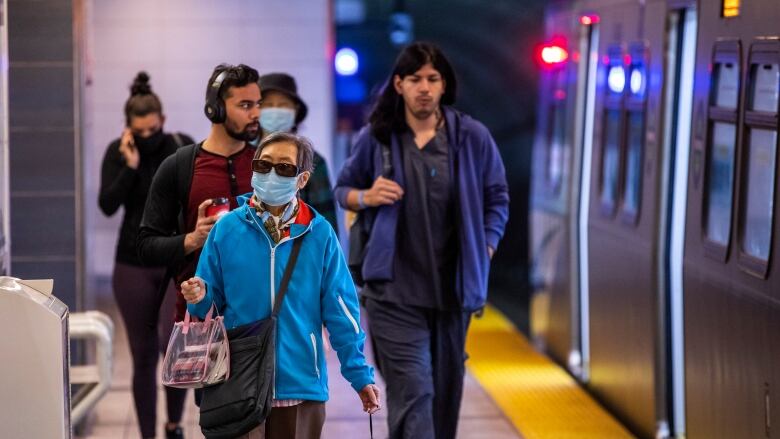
(215, 108)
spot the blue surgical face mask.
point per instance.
(277, 119)
(274, 190)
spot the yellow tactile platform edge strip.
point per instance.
(535, 394)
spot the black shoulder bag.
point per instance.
(243, 402)
(359, 231)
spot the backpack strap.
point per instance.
(177, 138)
(185, 165)
(387, 161)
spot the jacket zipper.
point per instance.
(314, 348)
(273, 290)
(349, 315)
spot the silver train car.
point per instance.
(653, 211)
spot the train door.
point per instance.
(5, 245)
(676, 138)
(579, 355)
(551, 309)
(620, 222)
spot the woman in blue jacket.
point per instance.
(241, 267)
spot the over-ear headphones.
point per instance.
(215, 108)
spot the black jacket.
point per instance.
(161, 236)
(121, 185)
(319, 194)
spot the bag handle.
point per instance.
(287, 275)
(207, 320)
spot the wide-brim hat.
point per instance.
(284, 83)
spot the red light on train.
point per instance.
(589, 19)
(552, 54)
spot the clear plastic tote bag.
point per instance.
(198, 353)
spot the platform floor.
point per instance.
(114, 416)
(539, 397)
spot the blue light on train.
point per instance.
(346, 62)
(637, 81)
(616, 79)
(401, 28)
(350, 89)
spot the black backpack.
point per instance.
(360, 230)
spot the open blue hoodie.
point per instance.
(482, 200)
(243, 268)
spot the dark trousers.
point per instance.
(302, 421)
(148, 325)
(421, 355)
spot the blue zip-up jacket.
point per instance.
(482, 198)
(242, 269)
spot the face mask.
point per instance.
(274, 190)
(277, 119)
(150, 143)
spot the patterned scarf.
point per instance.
(276, 226)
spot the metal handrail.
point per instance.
(92, 325)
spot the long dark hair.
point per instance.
(142, 100)
(388, 115)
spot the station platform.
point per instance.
(511, 392)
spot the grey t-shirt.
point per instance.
(426, 241)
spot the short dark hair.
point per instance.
(142, 100)
(305, 156)
(388, 113)
(237, 76)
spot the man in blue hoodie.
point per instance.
(434, 224)
(240, 269)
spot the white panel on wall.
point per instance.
(178, 42)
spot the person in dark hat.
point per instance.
(283, 110)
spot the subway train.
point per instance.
(653, 203)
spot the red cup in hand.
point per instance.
(219, 206)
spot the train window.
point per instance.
(611, 161)
(726, 89)
(721, 148)
(757, 230)
(555, 152)
(556, 138)
(633, 176)
(720, 190)
(759, 158)
(612, 147)
(765, 78)
(635, 132)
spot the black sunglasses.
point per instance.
(282, 169)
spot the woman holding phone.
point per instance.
(145, 303)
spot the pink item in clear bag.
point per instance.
(198, 353)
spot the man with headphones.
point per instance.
(177, 216)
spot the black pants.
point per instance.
(421, 355)
(149, 325)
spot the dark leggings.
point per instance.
(148, 324)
